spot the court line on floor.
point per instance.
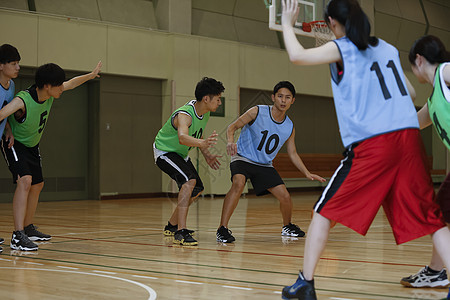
(201, 265)
(65, 267)
(152, 293)
(249, 252)
(206, 278)
(145, 277)
(189, 282)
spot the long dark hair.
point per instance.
(430, 47)
(356, 22)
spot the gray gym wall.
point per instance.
(157, 50)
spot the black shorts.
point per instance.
(23, 160)
(262, 178)
(443, 198)
(180, 170)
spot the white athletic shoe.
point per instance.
(425, 278)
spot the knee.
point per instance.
(238, 182)
(285, 198)
(24, 183)
(238, 186)
(190, 184)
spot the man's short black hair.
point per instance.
(284, 84)
(208, 86)
(49, 74)
(8, 54)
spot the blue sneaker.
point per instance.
(301, 289)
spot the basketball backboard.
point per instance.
(310, 10)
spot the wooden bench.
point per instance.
(320, 164)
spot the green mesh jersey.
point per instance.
(29, 128)
(167, 137)
(439, 106)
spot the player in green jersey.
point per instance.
(28, 113)
(430, 62)
(183, 131)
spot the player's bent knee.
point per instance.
(24, 182)
(238, 181)
(192, 182)
(238, 185)
(285, 199)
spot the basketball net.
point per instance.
(321, 31)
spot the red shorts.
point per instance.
(443, 198)
(389, 170)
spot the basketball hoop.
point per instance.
(321, 31)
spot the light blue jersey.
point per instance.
(261, 140)
(5, 97)
(370, 95)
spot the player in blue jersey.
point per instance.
(9, 69)
(430, 62)
(385, 162)
(266, 129)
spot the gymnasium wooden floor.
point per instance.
(116, 250)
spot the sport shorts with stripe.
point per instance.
(389, 170)
(180, 170)
(443, 198)
(22, 161)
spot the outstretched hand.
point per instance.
(212, 161)
(210, 141)
(97, 70)
(316, 177)
(290, 12)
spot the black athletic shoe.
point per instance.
(426, 278)
(301, 289)
(35, 235)
(20, 241)
(169, 229)
(183, 237)
(2, 240)
(292, 230)
(224, 235)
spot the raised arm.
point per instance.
(297, 161)
(246, 118)
(324, 54)
(79, 80)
